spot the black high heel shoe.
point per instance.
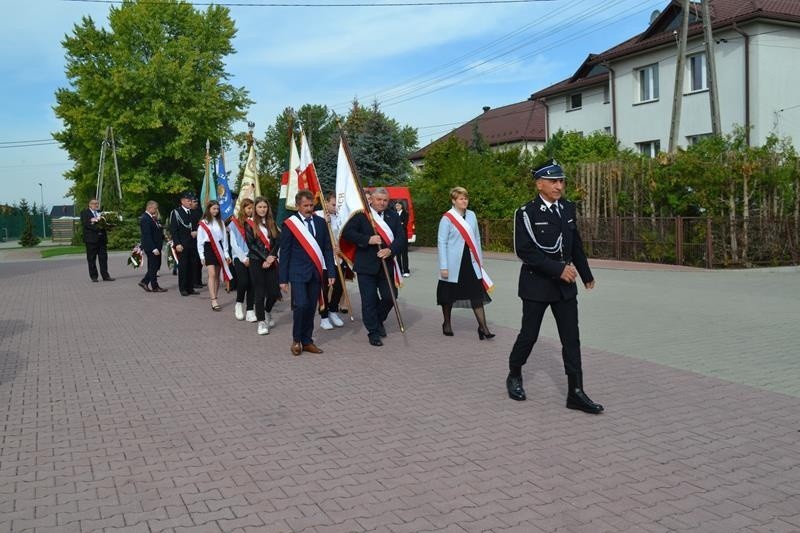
(447, 333)
(482, 335)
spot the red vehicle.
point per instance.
(403, 195)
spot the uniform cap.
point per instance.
(549, 171)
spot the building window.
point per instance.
(647, 81)
(574, 101)
(697, 72)
(649, 148)
(691, 140)
(606, 94)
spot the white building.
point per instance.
(627, 90)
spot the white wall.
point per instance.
(594, 115)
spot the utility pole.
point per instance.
(711, 71)
(677, 97)
(44, 227)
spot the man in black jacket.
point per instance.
(96, 241)
(375, 247)
(547, 241)
(184, 238)
(151, 244)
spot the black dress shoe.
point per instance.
(381, 330)
(578, 400)
(94, 280)
(159, 289)
(109, 279)
(515, 390)
(184, 293)
(144, 286)
(375, 341)
(192, 292)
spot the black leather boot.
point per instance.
(514, 387)
(577, 399)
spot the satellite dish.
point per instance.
(654, 15)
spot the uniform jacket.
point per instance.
(358, 231)
(152, 233)
(451, 246)
(539, 277)
(181, 226)
(256, 249)
(91, 233)
(295, 265)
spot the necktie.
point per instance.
(310, 225)
(554, 209)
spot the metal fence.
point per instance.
(692, 241)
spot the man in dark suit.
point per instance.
(546, 238)
(151, 244)
(306, 253)
(184, 238)
(372, 252)
(96, 241)
(402, 258)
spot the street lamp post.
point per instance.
(44, 227)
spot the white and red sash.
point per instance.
(260, 234)
(311, 247)
(224, 270)
(387, 235)
(238, 226)
(466, 233)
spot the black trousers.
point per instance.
(331, 304)
(265, 288)
(243, 286)
(374, 310)
(96, 252)
(186, 261)
(566, 314)
(402, 261)
(153, 266)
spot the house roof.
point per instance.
(724, 13)
(58, 211)
(523, 121)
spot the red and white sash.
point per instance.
(387, 235)
(466, 233)
(238, 226)
(311, 247)
(260, 234)
(225, 272)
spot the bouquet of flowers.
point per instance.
(136, 257)
(108, 220)
(171, 259)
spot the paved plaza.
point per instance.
(123, 411)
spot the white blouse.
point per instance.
(220, 235)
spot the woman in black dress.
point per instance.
(462, 280)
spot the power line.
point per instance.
(50, 143)
(25, 142)
(389, 4)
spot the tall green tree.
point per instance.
(157, 76)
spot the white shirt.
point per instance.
(220, 235)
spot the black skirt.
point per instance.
(468, 292)
(210, 256)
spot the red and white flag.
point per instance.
(349, 201)
(307, 177)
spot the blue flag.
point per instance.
(224, 191)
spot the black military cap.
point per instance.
(549, 171)
(188, 195)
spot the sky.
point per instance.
(429, 67)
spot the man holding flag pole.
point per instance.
(370, 236)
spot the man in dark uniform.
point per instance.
(546, 238)
(96, 241)
(184, 238)
(371, 253)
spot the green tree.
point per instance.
(28, 238)
(157, 76)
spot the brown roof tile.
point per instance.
(523, 121)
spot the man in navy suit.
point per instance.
(305, 253)
(547, 241)
(96, 241)
(371, 252)
(152, 242)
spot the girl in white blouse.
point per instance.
(212, 247)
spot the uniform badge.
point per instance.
(542, 208)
